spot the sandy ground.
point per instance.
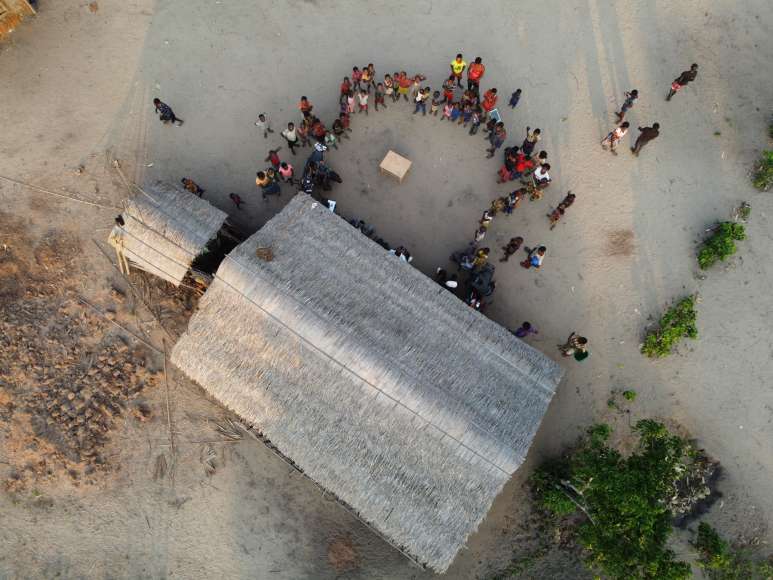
(76, 86)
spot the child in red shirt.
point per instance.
(356, 78)
(346, 86)
(273, 157)
(489, 101)
(305, 106)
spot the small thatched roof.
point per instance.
(384, 388)
(165, 229)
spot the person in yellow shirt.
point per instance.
(457, 68)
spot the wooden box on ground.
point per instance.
(396, 165)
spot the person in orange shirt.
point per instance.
(404, 84)
(489, 101)
(305, 106)
(475, 73)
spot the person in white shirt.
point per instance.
(614, 137)
(363, 98)
(264, 124)
(291, 136)
(541, 175)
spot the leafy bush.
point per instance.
(721, 244)
(721, 562)
(678, 322)
(762, 178)
(629, 395)
(624, 499)
(713, 550)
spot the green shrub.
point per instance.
(721, 244)
(714, 552)
(678, 322)
(762, 178)
(624, 500)
(629, 395)
(721, 562)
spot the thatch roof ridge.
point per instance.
(384, 388)
(165, 228)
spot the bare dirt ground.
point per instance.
(92, 487)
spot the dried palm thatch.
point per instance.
(165, 229)
(391, 393)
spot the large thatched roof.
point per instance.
(411, 407)
(165, 229)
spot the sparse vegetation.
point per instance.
(762, 178)
(720, 561)
(721, 244)
(678, 322)
(625, 501)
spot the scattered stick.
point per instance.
(71, 197)
(168, 412)
(103, 315)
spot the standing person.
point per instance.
(481, 257)
(511, 248)
(514, 200)
(165, 113)
(291, 136)
(530, 142)
(421, 101)
(365, 79)
(535, 257)
(475, 73)
(480, 233)
(435, 103)
(497, 138)
(486, 220)
(525, 330)
(305, 107)
(286, 172)
(264, 125)
(372, 74)
(447, 110)
(363, 99)
(267, 185)
(514, 98)
(489, 101)
(350, 102)
(389, 87)
(646, 135)
(403, 85)
(236, 198)
(273, 157)
(317, 156)
(630, 99)
(541, 179)
(574, 345)
(457, 68)
(449, 86)
(379, 96)
(687, 76)
(346, 86)
(356, 78)
(303, 133)
(615, 136)
(345, 121)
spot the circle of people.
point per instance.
(470, 108)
